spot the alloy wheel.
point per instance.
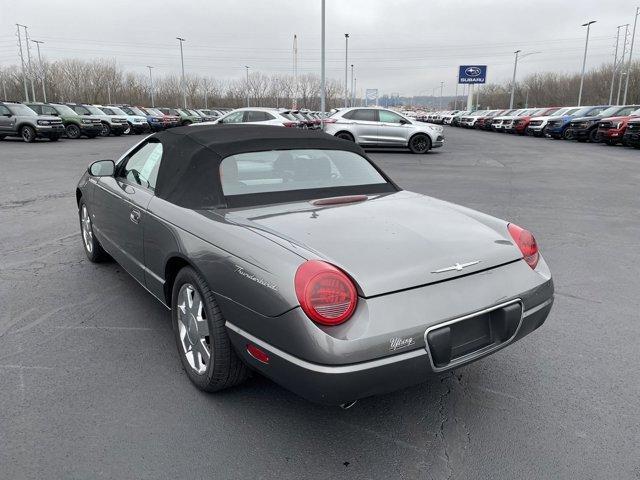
(87, 231)
(193, 329)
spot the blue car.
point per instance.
(156, 123)
(557, 126)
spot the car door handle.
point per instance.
(134, 216)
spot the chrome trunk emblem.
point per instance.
(457, 266)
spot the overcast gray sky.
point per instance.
(404, 46)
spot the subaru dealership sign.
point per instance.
(472, 74)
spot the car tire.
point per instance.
(92, 248)
(106, 130)
(73, 131)
(567, 134)
(345, 136)
(593, 136)
(201, 337)
(28, 134)
(129, 130)
(420, 143)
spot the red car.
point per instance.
(611, 129)
(520, 124)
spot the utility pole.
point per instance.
(615, 65)
(109, 94)
(153, 103)
(42, 72)
(323, 90)
(355, 86)
(24, 73)
(4, 89)
(633, 39)
(33, 89)
(513, 80)
(584, 59)
(184, 85)
(440, 102)
(295, 72)
(346, 63)
(352, 94)
(624, 54)
(247, 67)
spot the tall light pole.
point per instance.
(351, 102)
(513, 80)
(584, 59)
(624, 54)
(33, 89)
(633, 39)
(440, 102)
(323, 90)
(346, 64)
(153, 102)
(24, 73)
(247, 67)
(184, 86)
(42, 72)
(615, 65)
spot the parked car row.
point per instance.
(610, 124)
(52, 121)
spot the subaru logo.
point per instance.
(472, 71)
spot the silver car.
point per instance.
(258, 116)
(379, 127)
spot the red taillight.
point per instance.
(329, 120)
(526, 242)
(325, 293)
(257, 353)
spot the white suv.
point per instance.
(258, 116)
(378, 127)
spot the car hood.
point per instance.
(544, 117)
(585, 119)
(613, 119)
(389, 242)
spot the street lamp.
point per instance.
(633, 39)
(513, 80)
(323, 92)
(247, 67)
(440, 102)
(42, 72)
(352, 94)
(184, 86)
(346, 63)
(151, 86)
(584, 59)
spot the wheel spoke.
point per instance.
(203, 325)
(203, 349)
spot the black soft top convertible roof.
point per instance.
(191, 156)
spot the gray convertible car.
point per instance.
(291, 253)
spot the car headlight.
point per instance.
(154, 119)
(44, 122)
(87, 120)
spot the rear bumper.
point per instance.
(335, 385)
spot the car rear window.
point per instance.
(295, 170)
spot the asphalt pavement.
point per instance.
(92, 387)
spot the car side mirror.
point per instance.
(221, 120)
(102, 168)
(7, 115)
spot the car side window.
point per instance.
(4, 110)
(234, 118)
(108, 111)
(389, 117)
(364, 115)
(47, 110)
(255, 116)
(141, 168)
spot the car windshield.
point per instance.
(635, 113)
(23, 110)
(64, 110)
(94, 110)
(117, 111)
(294, 170)
(610, 112)
(154, 111)
(136, 111)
